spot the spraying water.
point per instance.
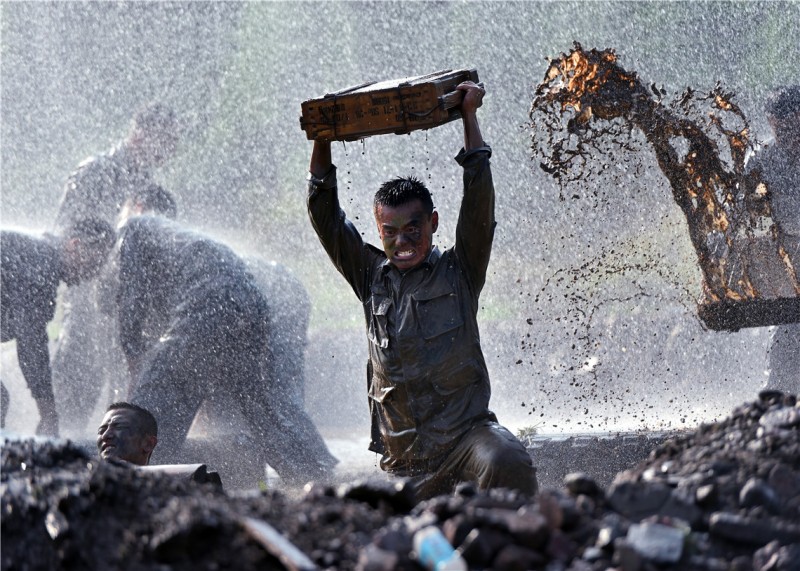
(236, 73)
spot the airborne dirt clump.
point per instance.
(584, 114)
(726, 496)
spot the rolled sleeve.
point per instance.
(327, 182)
(465, 157)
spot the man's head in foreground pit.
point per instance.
(128, 432)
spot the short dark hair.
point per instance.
(147, 422)
(158, 199)
(783, 101)
(402, 190)
(154, 118)
(93, 231)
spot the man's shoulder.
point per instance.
(449, 263)
(16, 244)
(109, 164)
(146, 229)
(374, 259)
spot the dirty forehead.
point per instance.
(120, 416)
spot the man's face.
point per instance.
(82, 261)
(406, 232)
(120, 436)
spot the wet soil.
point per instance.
(583, 117)
(725, 496)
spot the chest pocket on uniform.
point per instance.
(380, 302)
(437, 310)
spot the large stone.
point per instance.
(752, 531)
(581, 483)
(637, 500)
(756, 492)
(784, 417)
(777, 557)
(785, 481)
(656, 542)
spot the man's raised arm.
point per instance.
(320, 159)
(476, 222)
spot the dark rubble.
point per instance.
(726, 496)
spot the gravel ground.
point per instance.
(725, 496)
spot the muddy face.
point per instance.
(406, 232)
(120, 436)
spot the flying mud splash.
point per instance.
(588, 105)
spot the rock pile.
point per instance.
(726, 496)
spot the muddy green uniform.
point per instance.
(428, 384)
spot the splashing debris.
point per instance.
(586, 112)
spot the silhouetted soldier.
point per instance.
(779, 165)
(99, 187)
(32, 269)
(194, 326)
(288, 316)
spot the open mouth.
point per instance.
(404, 254)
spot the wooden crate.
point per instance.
(396, 106)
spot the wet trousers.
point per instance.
(488, 455)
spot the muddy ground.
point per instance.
(726, 496)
